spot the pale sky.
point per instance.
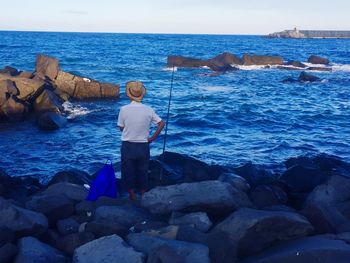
(174, 16)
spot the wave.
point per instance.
(216, 89)
(169, 69)
(341, 67)
(74, 111)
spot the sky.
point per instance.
(174, 16)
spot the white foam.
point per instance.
(75, 110)
(252, 67)
(216, 89)
(170, 69)
(341, 67)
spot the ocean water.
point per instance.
(228, 119)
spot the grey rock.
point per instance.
(71, 176)
(73, 192)
(198, 220)
(235, 180)
(111, 249)
(67, 226)
(100, 229)
(268, 195)
(207, 196)
(21, 221)
(31, 250)
(254, 230)
(69, 243)
(305, 250)
(48, 101)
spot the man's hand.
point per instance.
(160, 127)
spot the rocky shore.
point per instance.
(196, 213)
(42, 93)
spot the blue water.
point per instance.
(230, 119)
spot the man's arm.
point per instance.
(160, 126)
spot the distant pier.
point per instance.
(295, 33)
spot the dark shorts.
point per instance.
(134, 165)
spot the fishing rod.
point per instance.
(167, 121)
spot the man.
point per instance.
(134, 121)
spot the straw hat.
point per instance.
(135, 90)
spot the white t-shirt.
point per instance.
(136, 119)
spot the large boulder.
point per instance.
(252, 231)
(50, 121)
(69, 243)
(226, 58)
(208, 196)
(188, 252)
(7, 252)
(28, 87)
(254, 174)
(180, 61)
(261, 60)
(104, 228)
(123, 215)
(87, 89)
(65, 82)
(67, 226)
(7, 86)
(268, 195)
(109, 90)
(31, 250)
(47, 66)
(12, 108)
(73, 192)
(198, 220)
(55, 207)
(71, 176)
(318, 60)
(48, 101)
(111, 249)
(305, 250)
(305, 77)
(296, 64)
(21, 221)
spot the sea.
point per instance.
(229, 119)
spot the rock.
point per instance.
(179, 61)
(9, 71)
(289, 80)
(302, 178)
(123, 215)
(305, 77)
(73, 192)
(7, 236)
(168, 232)
(87, 89)
(235, 180)
(318, 60)
(261, 60)
(254, 230)
(100, 229)
(90, 206)
(335, 190)
(254, 174)
(305, 250)
(148, 225)
(25, 75)
(67, 226)
(65, 82)
(268, 195)
(109, 90)
(48, 101)
(198, 220)
(72, 241)
(223, 68)
(55, 206)
(21, 221)
(13, 109)
(50, 121)
(296, 64)
(47, 66)
(166, 254)
(7, 252)
(226, 58)
(111, 249)
(194, 197)
(191, 252)
(8, 86)
(28, 87)
(344, 208)
(31, 250)
(327, 69)
(71, 176)
(324, 218)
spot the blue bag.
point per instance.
(104, 184)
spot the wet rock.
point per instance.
(7, 252)
(67, 226)
(50, 121)
(28, 87)
(48, 101)
(100, 229)
(31, 250)
(268, 195)
(47, 66)
(226, 58)
(21, 221)
(55, 207)
(111, 249)
(318, 60)
(327, 69)
(65, 82)
(254, 230)
(87, 89)
(71, 176)
(305, 77)
(194, 197)
(8, 86)
(179, 61)
(190, 251)
(289, 80)
(72, 241)
(254, 174)
(261, 60)
(9, 71)
(306, 250)
(235, 180)
(73, 192)
(295, 63)
(223, 69)
(123, 215)
(13, 109)
(198, 220)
